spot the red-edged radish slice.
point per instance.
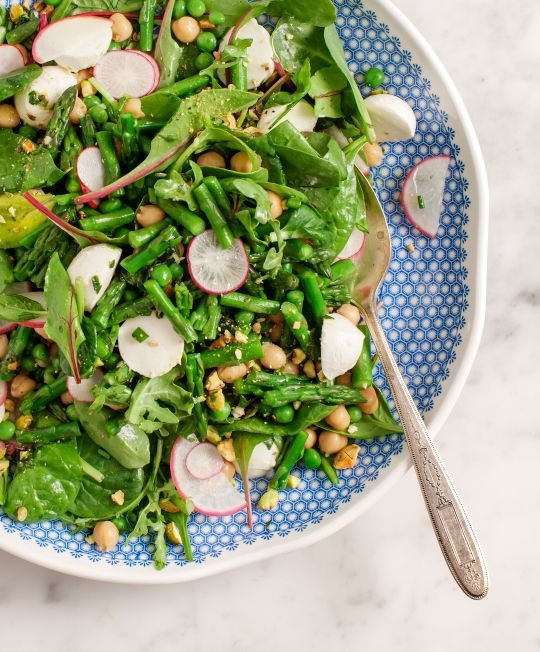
(3, 391)
(391, 117)
(213, 269)
(127, 73)
(158, 353)
(75, 43)
(94, 266)
(214, 496)
(7, 326)
(354, 246)
(11, 59)
(423, 192)
(2, 412)
(83, 391)
(90, 169)
(341, 345)
(204, 461)
(39, 297)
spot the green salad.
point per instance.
(180, 221)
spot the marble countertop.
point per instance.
(397, 594)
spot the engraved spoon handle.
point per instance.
(454, 532)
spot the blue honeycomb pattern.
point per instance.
(424, 299)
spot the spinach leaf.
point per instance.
(22, 171)
(17, 80)
(63, 324)
(305, 224)
(47, 483)
(160, 105)
(325, 88)
(253, 191)
(16, 307)
(319, 13)
(168, 52)
(244, 445)
(233, 10)
(127, 6)
(307, 42)
(302, 81)
(129, 446)
(158, 401)
(18, 218)
(94, 498)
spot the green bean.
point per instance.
(88, 130)
(186, 86)
(183, 216)
(219, 195)
(298, 325)
(362, 372)
(335, 395)
(142, 237)
(130, 145)
(297, 298)
(109, 221)
(62, 10)
(146, 22)
(166, 240)
(141, 307)
(18, 341)
(105, 142)
(199, 316)
(210, 329)
(40, 436)
(329, 470)
(59, 123)
(298, 250)
(194, 380)
(285, 280)
(44, 395)
(233, 354)
(23, 31)
(290, 459)
(214, 215)
(253, 304)
(315, 303)
(162, 301)
(108, 302)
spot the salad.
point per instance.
(180, 221)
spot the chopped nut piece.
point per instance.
(28, 146)
(22, 513)
(226, 450)
(410, 248)
(230, 121)
(206, 24)
(238, 412)
(347, 457)
(297, 405)
(296, 325)
(214, 382)
(4, 465)
(309, 369)
(168, 506)
(172, 533)
(269, 500)
(238, 354)
(87, 89)
(118, 497)
(256, 328)
(240, 337)
(321, 376)
(212, 435)
(9, 404)
(293, 482)
(216, 400)
(298, 356)
(13, 365)
(24, 455)
(16, 12)
(23, 422)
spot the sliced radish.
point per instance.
(3, 391)
(76, 42)
(204, 461)
(214, 496)
(423, 192)
(262, 460)
(260, 54)
(83, 391)
(341, 345)
(158, 353)
(90, 169)
(215, 270)
(94, 266)
(128, 73)
(50, 85)
(2, 412)
(391, 117)
(11, 59)
(302, 116)
(354, 246)
(7, 326)
(39, 297)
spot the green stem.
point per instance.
(163, 302)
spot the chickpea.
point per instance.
(339, 418)
(3, 346)
(374, 154)
(344, 379)
(309, 369)
(66, 398)
(21, 385)
(212, 160)
(228, 470)
(276, 332)
(9, 118)
(371, 404)
(350, 312)
(274, 357)
(291, 368)
(149, 214)
(312, 438)
(133, 106)
(331, 442)
(79, 110)
(106, 536)
(276, 205)
(23, 51)
(122, 29)
(230, 374)
(186, 29)
(241, 162)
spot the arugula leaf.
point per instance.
(244, 445)
(16, 307)
(18, 218)
(47, 483)
(168, 52)
(117, 395)
(17, 80)
(176, 188)
(157, 402)
(63, 324)
(253, 191)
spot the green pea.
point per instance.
(311, 458)
(72, 185)
(40, 352)
(130, 295)
(195, 8)
(162, 274)
(374, 77)
(179, 9)
(112, 427)
(99, 114)
(121, 523)
(71, 413)
(91, 100)
(294, 202)
(284, 414)
(110, 205)
(204, 60)
(221, 415)
(7, 430)
(176, 271)
(216, 17)
(355, 413)
(206, 42)
(28, 364)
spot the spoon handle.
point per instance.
(454, 532)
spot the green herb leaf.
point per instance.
(244, 445)
(168, 52)
(17, 80)
(16, 307)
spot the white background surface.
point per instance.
(381, 583)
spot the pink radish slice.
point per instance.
(424, 186)
(6, 326)
(83, 391)
(3, 391)
(354, 245)
(214, 496)
(2, 411)
(215, 270)
(204, 461)
(10, 59)
(90, 169)
(42, 20)
(127, 73)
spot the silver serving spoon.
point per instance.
(454, 532)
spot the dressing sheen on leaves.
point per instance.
(19, 218)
